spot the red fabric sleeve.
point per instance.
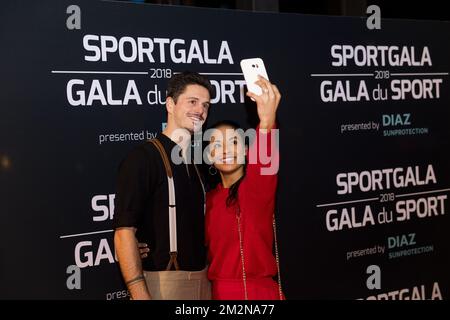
(263, 161)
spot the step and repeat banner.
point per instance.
(363, 199)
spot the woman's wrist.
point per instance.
(267, 124)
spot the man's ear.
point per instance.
(170, 105)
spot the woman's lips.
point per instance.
(228, 160)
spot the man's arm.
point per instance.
(130, 263)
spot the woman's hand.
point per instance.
(266, 103)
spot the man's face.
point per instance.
(191, 109)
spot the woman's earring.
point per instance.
(212, 170)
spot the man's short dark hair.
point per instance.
(178, 83)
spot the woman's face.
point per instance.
(227, 149)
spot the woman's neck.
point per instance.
(229, 178)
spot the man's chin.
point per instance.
(189, 129)
(192, 128)
(197, 127)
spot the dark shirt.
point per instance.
(142, 202)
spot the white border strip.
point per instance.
(84, 234)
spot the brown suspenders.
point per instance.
(172, 204)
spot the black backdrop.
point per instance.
(56, 178)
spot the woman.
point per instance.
(240, 210)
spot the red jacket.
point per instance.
(257, 204)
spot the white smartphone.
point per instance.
(251, 68)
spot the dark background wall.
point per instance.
(57, 181)
(429, 10)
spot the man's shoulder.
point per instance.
(141, 153)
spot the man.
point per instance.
(174, 233)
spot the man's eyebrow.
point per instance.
(195, 98)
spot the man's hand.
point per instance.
(129, 256)
(266, 103)
(143, 250)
